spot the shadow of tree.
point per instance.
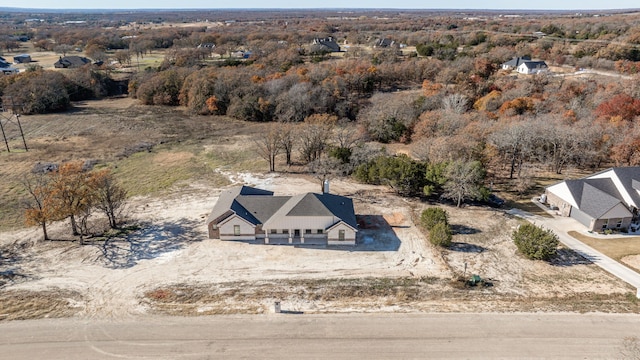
(570, 257)
(466, 247)
(150, 242)
(459, 229)
(11, 256)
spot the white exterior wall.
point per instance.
(349, 235)
(247, 230)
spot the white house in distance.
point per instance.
(524, 65)
(606, 200)
(251, 214)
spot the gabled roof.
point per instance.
(624, 179)
(261, 207)
(72, 61)
(596, 194)
(535, 64)
(516, 61)
(228, 197)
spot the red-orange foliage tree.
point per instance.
(621, 105)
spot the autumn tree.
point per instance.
(38, 207)
(622, 106)
(71, 193)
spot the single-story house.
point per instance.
(385, 43)
(327, 45)
(252, 214)
(606, 200)
(22, 59)
(72, 61)
(513, 63)
(532, 67)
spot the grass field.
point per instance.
(615, 248)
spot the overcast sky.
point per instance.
(395, 4)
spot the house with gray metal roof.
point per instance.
(513, 63)
(251, 214)
(606, 200)
(532, 67)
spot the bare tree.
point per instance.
(269, 146)
(287, 139)
(110, 197)
(314, 136)
(325, 168)
(464, 180)
(455, 103)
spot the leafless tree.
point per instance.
(269, 146)
(455, 103)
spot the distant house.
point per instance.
(206, 46)
(251, 214)
(384, 43)
(22, 59)
(532, 67)
(515, 62)
(4, 63)
(9, 71)
(72, 61)
(324, 45)
(609, 199)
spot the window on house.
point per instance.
(274, 231)
(619, 224)
(320, 231)
(341, 235)
(605, 224)
(296, 232)
(285, 231)
(236, 230)
(307, 231)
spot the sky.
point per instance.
(285, 4)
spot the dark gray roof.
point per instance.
(340, 206)
(309, 205)
(595, 202)
(516, 61)
(261, 208)
(535, 64)
(258, 206)
(627, 176)
(227, 198)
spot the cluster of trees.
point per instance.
(436, 221)
(74, 193)
(456, 180)
(38, 91)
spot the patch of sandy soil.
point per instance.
(172, 247)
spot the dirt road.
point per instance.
(379, 336)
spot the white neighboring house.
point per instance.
(532, 67)
(251, 214)
(606, 200)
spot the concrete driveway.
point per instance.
(562, 225)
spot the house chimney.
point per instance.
(325, 187)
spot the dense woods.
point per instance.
(436, 84)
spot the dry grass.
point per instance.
(23, 304)
(615, 248)
(363, 294)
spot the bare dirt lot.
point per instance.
(164, 262)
